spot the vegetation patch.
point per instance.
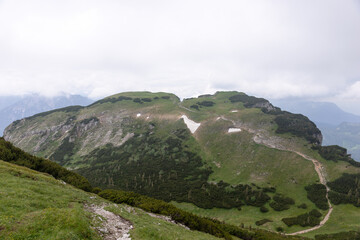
(351, 235)
(205, 95)
(195, 106)
(281, 203)
(311, 219)
(303, 206)
(262, 222)
(206, 103)
(146, 99)
(264, 209)
(336, 153)
(137, 100)
(248, 101)
(345, 189)
(111, 100)
(298, 125)
(317, 194)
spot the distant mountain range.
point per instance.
(337, 126)
(13, 108)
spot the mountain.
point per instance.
(228, 156)
(338, 127)
(345, 134)
(6, 101)
(14, 108)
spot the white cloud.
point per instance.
(349, 99)
(271, 49)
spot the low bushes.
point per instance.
(307, 219)
(15, 155)
(281, 203)
(317, 194)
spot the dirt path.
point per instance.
(320, 171)
(318, 168)
(274, 142)
(113, 226)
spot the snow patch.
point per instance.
(232, 130)
(193, 126)
(138, 115)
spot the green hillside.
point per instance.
(245, 162)
(36, 206)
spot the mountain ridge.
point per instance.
(138, 142)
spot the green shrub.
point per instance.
(248, 101)
(206, 103)
(298, 125)
(137, 100)
(281, 203)
(195, 106)
(307, 219)
(264, 209)
(336, 153)
(352, 235)
(345, 190)
(262, 222)
(146, 99)
(317, 194)
(303, 206)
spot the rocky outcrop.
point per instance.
(264, 105)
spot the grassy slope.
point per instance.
(345, 217)
(235, 158)
(243, 162)
(36, 206)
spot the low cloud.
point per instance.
(306, 49)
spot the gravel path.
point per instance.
(114, 227)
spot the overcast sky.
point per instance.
(273, 49)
